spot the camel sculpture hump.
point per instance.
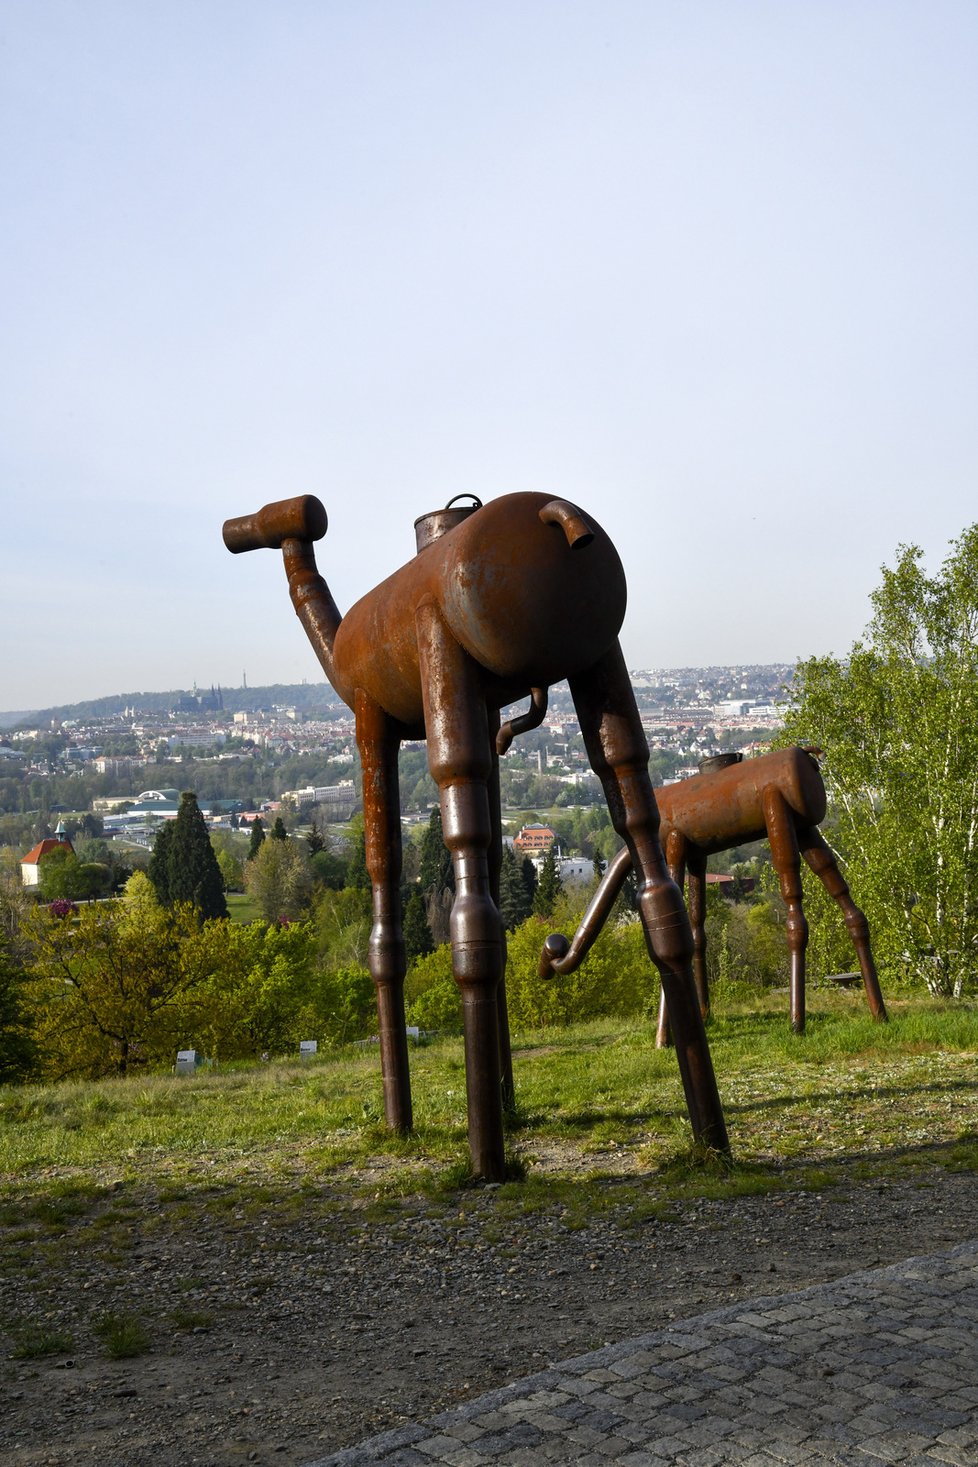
(726, 807)
(531, 595)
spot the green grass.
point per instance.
(241, 908)
(37, 1342)
(600, 1121)
(122, 1336)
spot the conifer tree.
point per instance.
(549, 886)
(436, 873)
(278, 830)
(417, 933)
(158, 869)
(357, 874)
(315, 840)
(529, 874)
(515, 902)
(194, 875)
(257, 836)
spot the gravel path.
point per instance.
(315, 1331)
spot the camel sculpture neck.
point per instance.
(315, 608)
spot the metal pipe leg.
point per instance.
(822, 861)
(619, 757)
(495, 867)
(378, 741)
(457, 728)
(786, 859)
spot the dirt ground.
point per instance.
(312, 1334)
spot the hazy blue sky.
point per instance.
(709, 269)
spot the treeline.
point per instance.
(112, 987)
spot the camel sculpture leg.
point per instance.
(378, 741)
(821, 860)
(460, 760)
(619, 756)
(786, 859)
(495, 868)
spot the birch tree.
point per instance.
(897, 721)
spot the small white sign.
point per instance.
(186, 1061)
(413, 1032)
(308, 1047)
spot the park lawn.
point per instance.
(241, 908)
(598, 1107)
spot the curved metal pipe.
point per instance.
(570, 519)
(559, 955)
(524, 721)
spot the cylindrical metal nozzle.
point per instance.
(302, 518)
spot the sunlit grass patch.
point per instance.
(599, 1108)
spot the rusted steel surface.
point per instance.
(779, 796)
(501, 601)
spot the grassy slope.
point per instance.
(594, 1100)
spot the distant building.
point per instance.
(534, 840)
(30, 865)
(336, 801)
(576, 871)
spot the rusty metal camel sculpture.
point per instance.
(779, 795)
(501, 601)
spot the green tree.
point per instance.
(356, 866)
(549, 886)
(109, 993)
(417, 933)
(158, 869)
(328, 869)
(515, 901)
(315, 840)
(194, 875)
(257, 836)
(279, 880)
(278, 830)
(232, 872)
(18, 1053)
(342, 921)
(898, 721)
(436, 873)
(262, 995)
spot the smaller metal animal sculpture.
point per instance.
(501, 601)
(731, 802)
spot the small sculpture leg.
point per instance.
(457, 727)
(619, 756)
(786, 859)
(821, 860)
(687, 865)
(674, 852)
(377, 740)
(696, 907)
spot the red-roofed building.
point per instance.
(30, 865)
(534, 840)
